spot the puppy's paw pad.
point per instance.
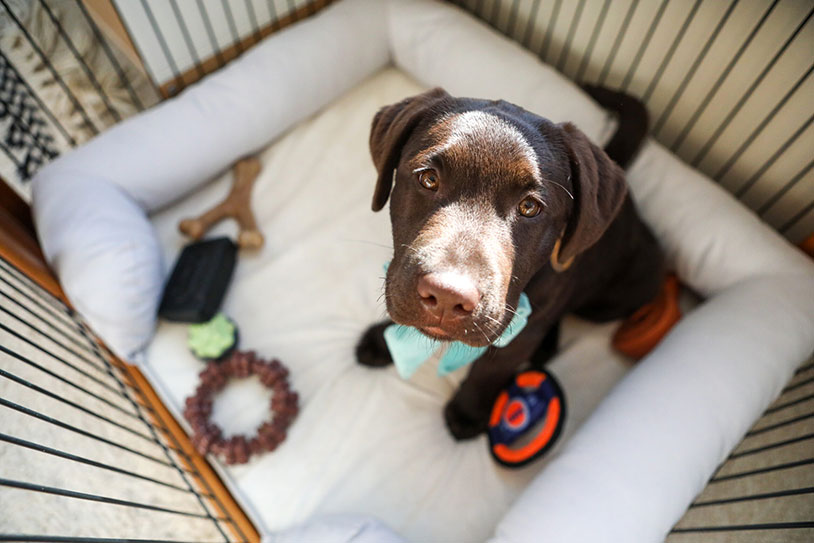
(461, 424)
(371, 351)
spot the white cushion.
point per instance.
(106, 255)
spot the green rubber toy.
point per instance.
(213, 339)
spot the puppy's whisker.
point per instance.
(486, 337)
(369, 243)
(562, 187)
(413, 249)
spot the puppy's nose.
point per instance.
(448, 293)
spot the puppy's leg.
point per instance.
(371, 350)
(467, 413)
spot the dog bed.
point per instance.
(366, 442)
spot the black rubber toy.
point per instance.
(198, 281)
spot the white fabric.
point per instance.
(366, 441)
(339, 529)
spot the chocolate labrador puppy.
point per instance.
(488, 200)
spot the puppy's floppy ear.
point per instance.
(390, 131)
(599, 191)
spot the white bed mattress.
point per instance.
(306, 297)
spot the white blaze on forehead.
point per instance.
(473, 126)
(455, 239)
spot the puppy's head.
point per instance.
(483, 196)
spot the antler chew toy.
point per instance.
(236, 205)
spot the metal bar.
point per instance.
(670, 52)
(56, 302)
(211, 33)
(253, 21)
(512, 21)
(165, 447)
(600, 22)
(752, 497)
(768, 469)
(44, 392)
(227, 10)
(11, 269)
(782, 406)
(772, 159)
(748, 93)
(617, 42)
(668, 109)
(110, 56)
(759, 128)
(51, 312)
(566, 48)
(205, 484)
(535, 9)
(40, 104)
(779, 424)
(82, 64)
(124, 392)
(552, 22)
(65, 380)
(492, 18)
(785, 188)
(64, 425)
(797, 385)
(275, 19)
(745, 527)
(47, 62)
(94, 497)
(49, 337)
(176, 74)
(187, 38)
(786, 226)
(637, 58)
(50, 324)
(770, 446)
(79, 459)
(688, 126)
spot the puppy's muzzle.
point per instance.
(447, 298)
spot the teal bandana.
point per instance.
(409, 348)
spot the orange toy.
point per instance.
(643, 330)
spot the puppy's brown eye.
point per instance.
(428, 179)
(529, 207)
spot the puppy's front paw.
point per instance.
(462, 424)
(372, 350)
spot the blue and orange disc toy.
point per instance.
(526, 419)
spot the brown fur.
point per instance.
(490, 156)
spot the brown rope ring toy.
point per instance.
(208, 437)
